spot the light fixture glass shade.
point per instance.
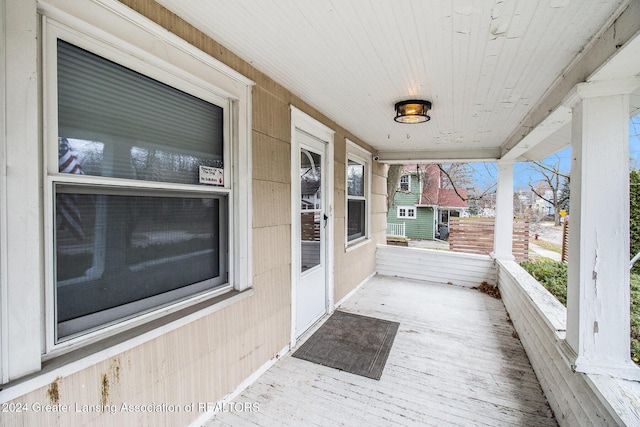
(412, 111)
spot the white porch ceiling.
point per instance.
(483, 64)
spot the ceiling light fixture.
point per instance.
(413, 111)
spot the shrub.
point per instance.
(635, 317)
(553, 276)
(634, 215)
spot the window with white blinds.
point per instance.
(147, 129)
(124, 249)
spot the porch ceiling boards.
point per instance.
(454, 362)
(485, 65)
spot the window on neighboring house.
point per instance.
(405, 183)
(357, 192)
(134, 227)
(406, 212)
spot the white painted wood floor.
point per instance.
(454, 362)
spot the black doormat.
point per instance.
(351, 342)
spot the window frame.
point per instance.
(361, 156)
(408, 176)
(197, 74)
(407, 209)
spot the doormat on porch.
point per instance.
(351, 342)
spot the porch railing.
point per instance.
(396, 230)
(435, 266)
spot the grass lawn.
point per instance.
(546, 245)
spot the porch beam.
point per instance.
(617, 40)
(503, 231)
(442, 156)
(560, 117)
(598, 283)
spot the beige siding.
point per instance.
(208, 358)
(354, 265)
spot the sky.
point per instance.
(485, 174)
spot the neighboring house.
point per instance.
(523, 202)
(423, 205)
(541, 207)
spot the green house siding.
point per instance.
(420, 227)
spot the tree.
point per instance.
(551, 180)
(393, 178)
(460, 175)
(454, 176)
(565, 194)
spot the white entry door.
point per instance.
(311, 286)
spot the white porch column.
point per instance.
(503, 233)
(598, 283)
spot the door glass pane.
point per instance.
(310, 208)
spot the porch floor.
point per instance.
(454, 362)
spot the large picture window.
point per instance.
(134, 230)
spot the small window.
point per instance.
(356, 201)
(357, 192)
(406, 212)
(405, 183)
(122, 247)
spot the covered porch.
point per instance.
(508, 82)
(455, 361)
(461, 357)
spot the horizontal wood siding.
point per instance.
(540, 321)
(435, 266)
(425, 221)
(475, 235)
(420, 227)
(354, 262)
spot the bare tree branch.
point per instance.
(455, 187)
(547, 168)
(551, 180)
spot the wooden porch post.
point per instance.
(598, 283)
(503, 232)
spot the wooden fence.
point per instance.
(475, 235)
(565, 240)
